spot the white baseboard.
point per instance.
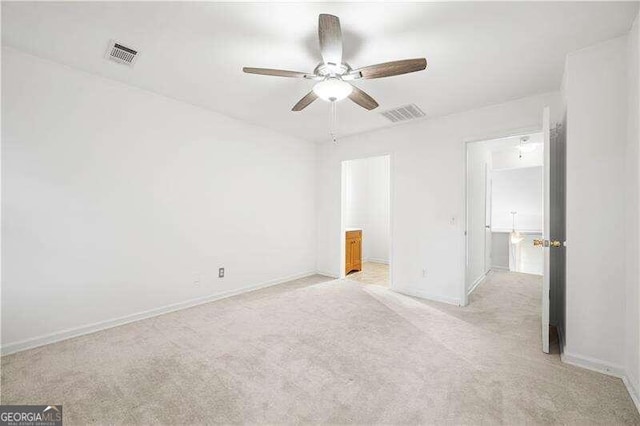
(601, 367)
(593, 364)
(103, 325)
(476, 283)
(633, 391)
(500, 268)
(376, 260)
(424, 295)
(328, 274)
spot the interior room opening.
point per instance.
(504, 207)
(366, 220)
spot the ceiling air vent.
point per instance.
(121, 54)
(403, 113)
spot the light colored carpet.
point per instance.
(332, 352)
(372, 273)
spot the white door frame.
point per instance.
(343, 195)
(464, 297)
(488, 209)
(546, 228)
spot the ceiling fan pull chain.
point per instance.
(333, 122)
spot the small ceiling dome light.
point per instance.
(332, 89)
(525, 145)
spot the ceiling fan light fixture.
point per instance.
(332, 89)
(526, 146)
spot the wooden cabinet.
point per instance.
(353, 251)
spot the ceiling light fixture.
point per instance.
(332, 89)
(523, 146)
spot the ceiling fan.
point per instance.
(332, 74)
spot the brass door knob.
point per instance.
(547, 243)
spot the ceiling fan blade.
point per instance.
(277, 73)
(305, 101)
(330, 36)
(389, 69)
(362, 99)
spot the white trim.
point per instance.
(375, 260)
(476, 283)
(392, 203)
(343, 227)
(499, 268)
(522, 231)
(633, 391)
(328, 274)
(601, 367)
(424, 295)
(593, 364)
(103, 325)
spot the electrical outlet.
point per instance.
(220, 272)
(424, 273)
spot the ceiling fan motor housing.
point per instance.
(328, 70)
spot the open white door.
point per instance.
(546, 227)
(487, 219)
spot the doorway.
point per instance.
(504, 200)
(527, 179)
(366, 214)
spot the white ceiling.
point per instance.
(478, 53)
(506, 154)
(512, 142)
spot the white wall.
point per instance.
(518, 190)
(427, 197)
(379, 221)
(596, 92)
(511, 158)
(478, 172)
(508, 159)
(367, 205)
(118, 201)
(529, 259)
(500, 250)
(356, 193)
(632, 320)
(602, 94)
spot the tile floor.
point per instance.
(372, 273)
